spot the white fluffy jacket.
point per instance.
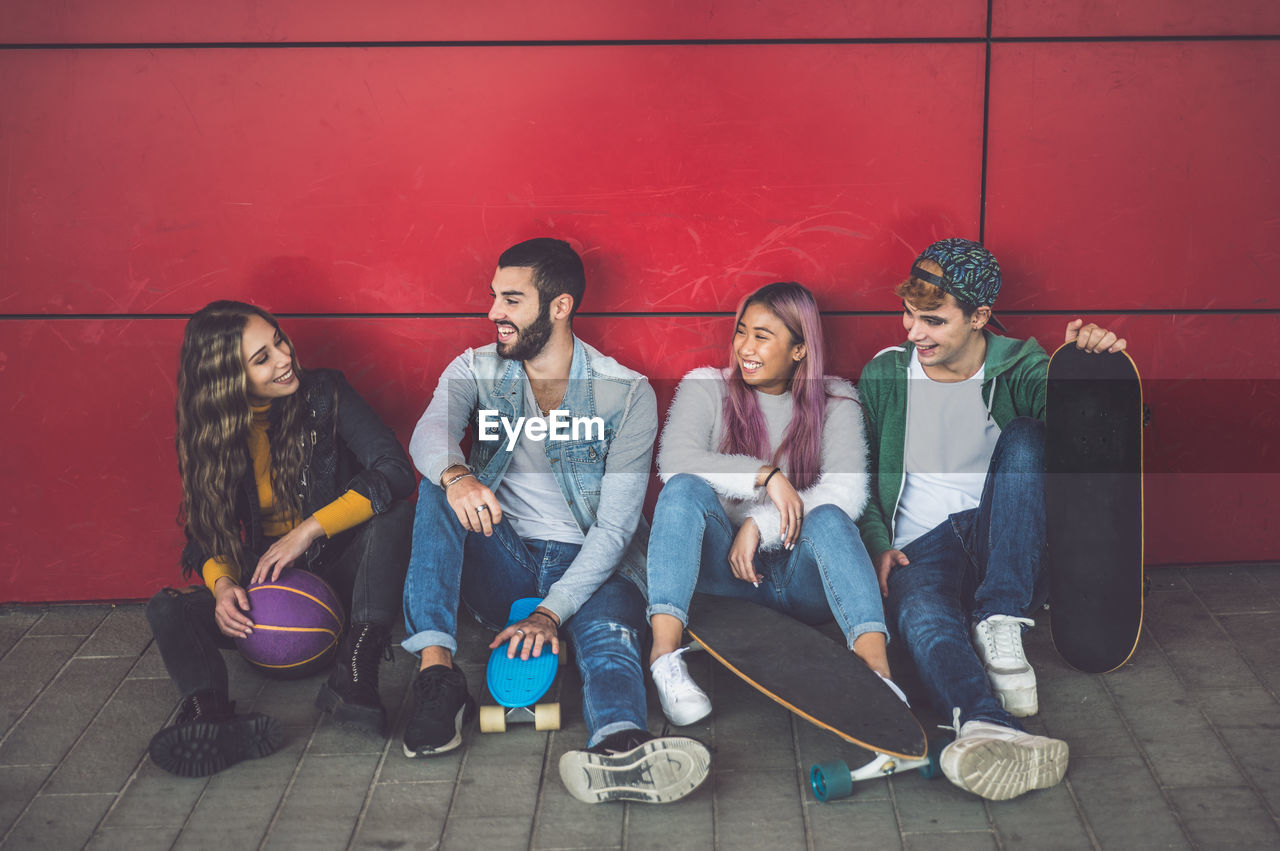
(692, 435)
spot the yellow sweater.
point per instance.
(347, 511)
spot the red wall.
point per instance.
(358, 170)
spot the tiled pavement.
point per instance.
(1177, 749)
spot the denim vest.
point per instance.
(598, 387)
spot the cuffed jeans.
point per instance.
(985, 561)
(365, 566)
(827, 574)
(449, 563)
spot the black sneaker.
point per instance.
(632, 765)
(208, 736)
(441, 707)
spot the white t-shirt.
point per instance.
(531, 499)
(949, 442)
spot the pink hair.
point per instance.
(745, 432)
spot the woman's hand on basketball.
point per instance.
(742, 553)
(286, 550)
(885, 563)
(534, 633)
(475, 505)
(230, 604)
(790, 507)
(1093, 338)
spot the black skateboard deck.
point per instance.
(810, 674)
(1093, 501)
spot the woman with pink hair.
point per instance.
(764, 470)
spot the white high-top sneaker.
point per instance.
(998, 640)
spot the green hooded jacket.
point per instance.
(1013, 386)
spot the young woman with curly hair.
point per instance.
(280, 466)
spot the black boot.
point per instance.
(208, 736)
(351, 693)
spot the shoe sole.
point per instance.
(999, 770)
(656, 772)
(464, 717)
(202, 748)
(373, 718)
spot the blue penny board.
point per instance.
(520, 682)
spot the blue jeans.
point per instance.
(984, 561)
(828, 573)
(501, 569)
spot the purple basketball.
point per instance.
(297, 621)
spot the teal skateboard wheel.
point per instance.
(831, 780)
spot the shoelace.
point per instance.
(668, 672)
(1005, 634)
(955, 722)
(432, 690)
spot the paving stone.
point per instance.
(327, 797)
(27, 668)
(1268, 578)
(949, 841)
(467, 833)
(149, 665)
(404, 815)
(562, 821)
(687, 824)
(14, 624)
(759, 809)
(62, 711)
(1080, 710)
(1168, 579)
(57, 821)
(1229, 589)
(132, 839)
(155, 798)
(70, 620)
(18, 785)
(1248, 720)
(499, 786)
(928, 806)
(1225, 818)
(253, 790)
(854, 822)
(1201, 652)
(292, 702)
(124, 632)
(1123, 804)
(1045, 819)
(106, 756)
(1258, 641)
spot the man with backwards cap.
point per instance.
(956, 521)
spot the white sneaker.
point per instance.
(682, 701)
(998, 763)
(998, 640)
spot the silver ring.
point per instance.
(480, 508)
(519, 632)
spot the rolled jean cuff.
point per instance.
(869, 626)
(608, 730)
(420, 641)
(667, 609)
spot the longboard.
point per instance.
(518, 684)
(819, 680)
(1093, 502)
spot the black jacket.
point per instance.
(347, 446)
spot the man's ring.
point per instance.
(480, 508)
(519, 632)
